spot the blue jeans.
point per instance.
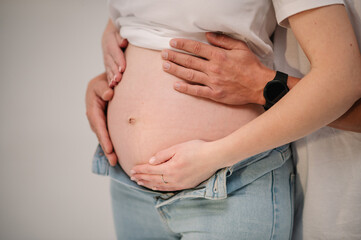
(251, 200)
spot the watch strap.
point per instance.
(280, 76)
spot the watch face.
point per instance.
(275, 90)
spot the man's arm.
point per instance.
(97, 95)
(232, 74)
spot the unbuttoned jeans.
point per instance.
(253, 199)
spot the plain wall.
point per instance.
(49, 50)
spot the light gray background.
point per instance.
(49, 50)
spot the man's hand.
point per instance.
(97, 95)
(228, 72)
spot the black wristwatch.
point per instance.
(275, 89)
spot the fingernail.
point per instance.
(115, 76)
(140, 183)
(164, 54)
(152, 160)
(173, 43)
(132, 178)
(177, 86)
(132, 172)
(118, 79)
(120, 69)
(155, 189)
(166, 65)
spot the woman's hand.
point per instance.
(114, 59)
(229, 72)
(97, 95)
(179, 167)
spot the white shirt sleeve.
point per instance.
(287, 8)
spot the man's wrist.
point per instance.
(292, 81)
(268, 75)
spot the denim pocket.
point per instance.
(100, 164)
(257, 166)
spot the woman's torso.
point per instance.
(146, 114)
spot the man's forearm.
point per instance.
(351, 120)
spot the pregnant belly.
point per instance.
(147, 115)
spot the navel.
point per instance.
(131, 120)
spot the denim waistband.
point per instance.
(223, 182)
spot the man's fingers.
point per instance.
(108, 95)
(225, 42)
(185, 73)
(112, 158)
(95, 111)
(102, 89)
(194, 47)
(194, 90)
(185, 60)
(99, 126)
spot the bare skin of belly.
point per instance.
(147, 115)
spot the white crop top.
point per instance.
(152, 23)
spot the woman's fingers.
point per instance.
(118, 59)
(114, 59)
(148, 169)
(185, 73)
(112, 70)
(110, 77)
(118, 38)
(122, 42)
(157, 187)
(155, 179)
(162, 156)
(185, 60)
(117, 53)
